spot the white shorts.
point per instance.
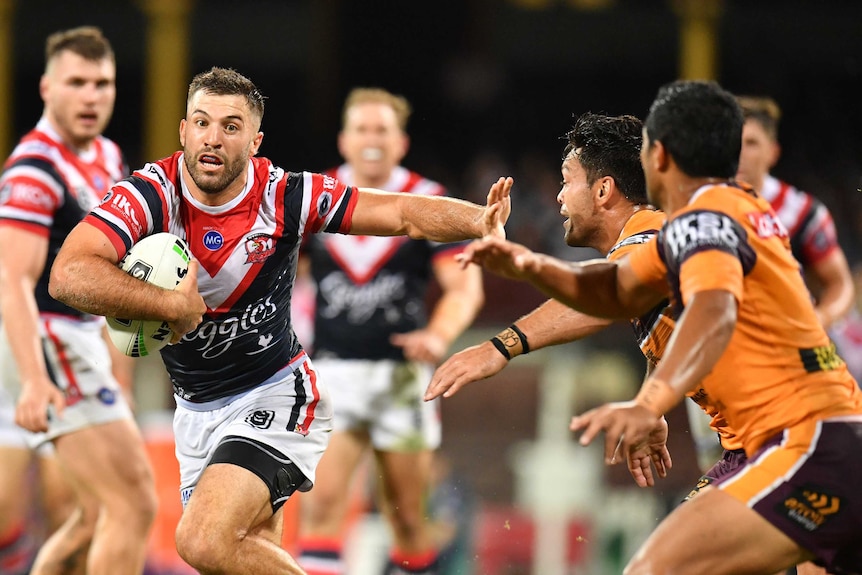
(79, 363)
(288, 414)
(385, 398)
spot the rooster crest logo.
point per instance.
(258, 248)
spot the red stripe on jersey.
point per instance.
(33, 227)
(798, 215)
(315, 394)
(73, 391)
(112, 236)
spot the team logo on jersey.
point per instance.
(213, 240)
(809, 507)
(259, 247)
(324, 204)
(261, 418)
(107, 396)
(767, 224)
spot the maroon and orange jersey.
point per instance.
(653, 329)
(779, 368)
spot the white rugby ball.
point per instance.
(161, 259)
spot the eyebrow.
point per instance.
(231, 117)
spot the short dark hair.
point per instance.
(610, 146)
(85, 41)
(227, 82)
(700, 125)
(763, 110)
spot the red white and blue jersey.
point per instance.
(47, 188)
(247, 250)
(369, 287)
(808, 221)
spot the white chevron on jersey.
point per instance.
(361, 257)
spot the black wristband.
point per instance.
(501, 347)
(525, 345)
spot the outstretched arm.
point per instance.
(552, 323)
(599, 288)
(436, 218)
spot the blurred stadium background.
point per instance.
(494, 85)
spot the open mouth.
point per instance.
(372, 154)
(210, 160)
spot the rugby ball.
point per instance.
(161, 259)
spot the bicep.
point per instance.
(377, 213)
(22, 252)
(87, 240)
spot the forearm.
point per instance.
(554, 323)
(588, 287)
(433, 218)
(21, 323)
(95, 285)
(700, 338)
(453, 313)
(835, 302)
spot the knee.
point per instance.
(197, 548)
(406, 523)
(206, 549)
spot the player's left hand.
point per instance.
(498, 208)
(654, 452)
(627, 426)
(420, 345)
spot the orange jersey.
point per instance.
(779, 368)
(653, 329)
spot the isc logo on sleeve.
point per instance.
(696, 231)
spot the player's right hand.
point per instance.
(37, 395)
(191, 305)
(498, 207)
(472, 364)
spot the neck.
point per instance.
(614, 224)
(684, 188)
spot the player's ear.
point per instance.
(604, 189)
(255, 144)
(43, 87)
(183, 132)
(660, 156)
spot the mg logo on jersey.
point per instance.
(213, 240)
(258, 248)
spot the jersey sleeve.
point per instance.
(133, 208)
(31, 191)
(711, 270)
(818, 237)
(330, 204)
(647, 265)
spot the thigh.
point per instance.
(404, 421)
(405, 477)
(717, 534)
(338, 466)
(805, 482)
(106, 461)
(228, 500)
(14, 499)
